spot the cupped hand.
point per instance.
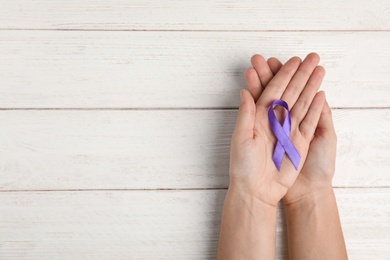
(252, 169)
(318, 170)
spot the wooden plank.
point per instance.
(195, 15)
(137, 149)
(73, 69)
(159, 224)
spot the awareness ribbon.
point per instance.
(282, 133)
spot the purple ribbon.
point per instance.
(282, 133)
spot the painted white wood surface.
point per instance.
(89, 182)
(182, 224)
(196, 15)
(136, 149)
(106, 69)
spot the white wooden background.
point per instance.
(116, 118)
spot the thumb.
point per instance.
(325, 124)
(246, 114)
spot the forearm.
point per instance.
(248, 228)
(314, 229)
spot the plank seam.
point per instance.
(183, 30)
(168, 189)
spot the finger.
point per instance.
(246, 115)
(278, 84)
(262, 69)
(301, 107)
(254, 84)
(310, 122)
(274, 64)
(298, 82)
(325, 124)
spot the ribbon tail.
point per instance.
(290, 149)
(279, 151)
(295, 158)
(278, 155)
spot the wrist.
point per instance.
(312, 196)
(313, 227)
(254, 199)
(306, 186)
(248, 227)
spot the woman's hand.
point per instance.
(247, 226)
(318, 170)
(252, 170)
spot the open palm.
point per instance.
(251, 167)
(318, 168)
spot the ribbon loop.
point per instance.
(282, 134)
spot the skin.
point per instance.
(256, 186)
(314, 229)
(249, 214)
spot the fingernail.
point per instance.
(241, 93)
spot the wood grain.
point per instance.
(159, 224)
(152, 149)
(195, 15)
(68, 69)
(105, 104)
